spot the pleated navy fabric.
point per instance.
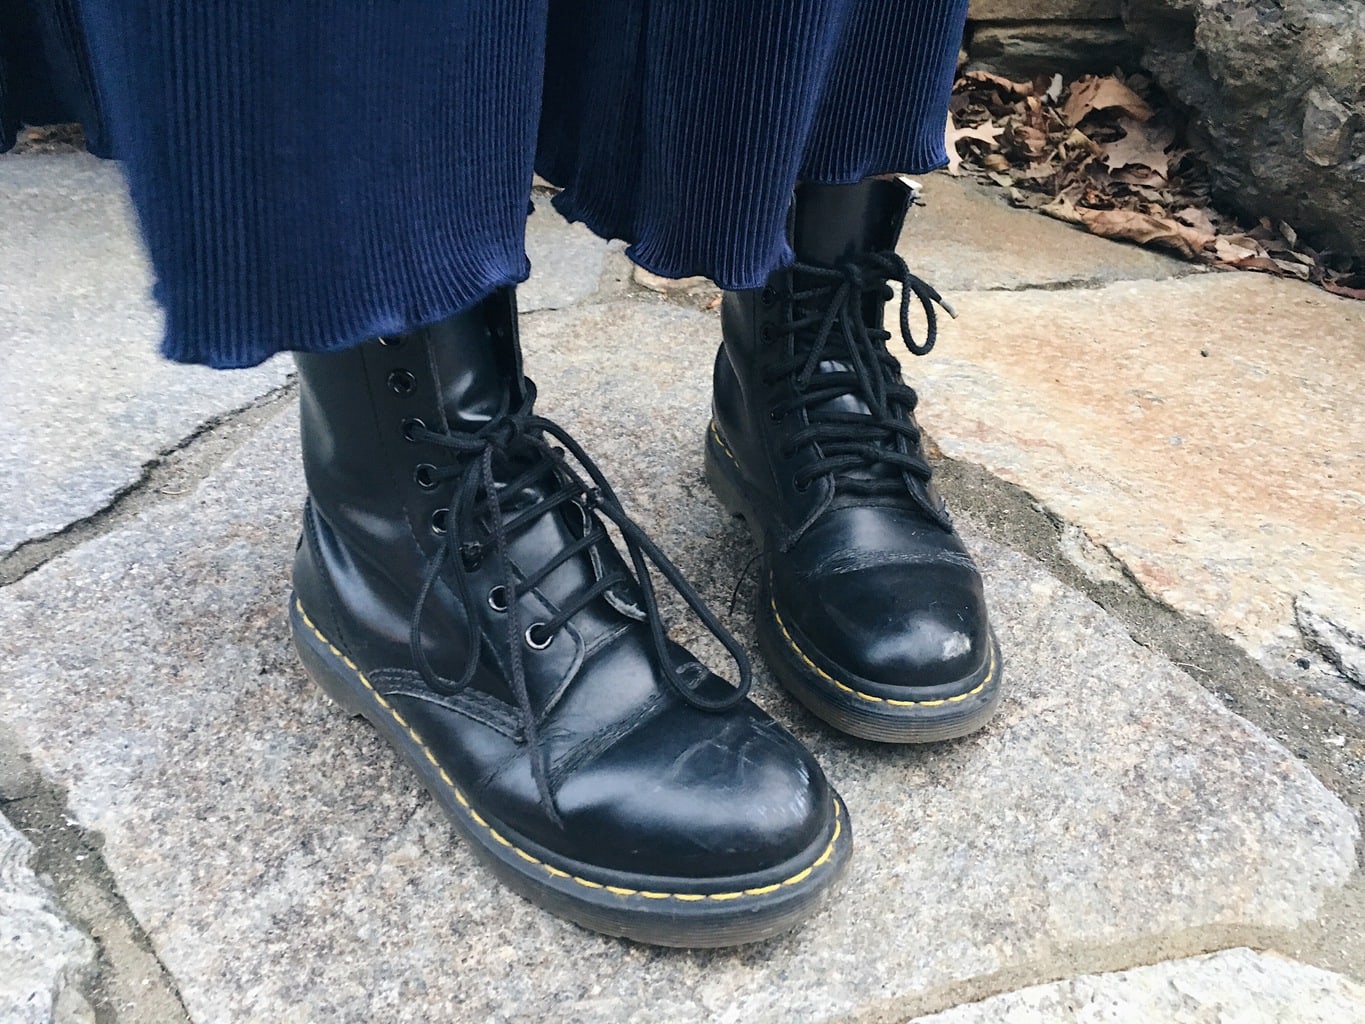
(311, 173)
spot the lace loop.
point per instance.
(516, 441)
(836, 354)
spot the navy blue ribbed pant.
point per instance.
(311, 173)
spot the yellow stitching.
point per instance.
(715, 432)
(873, 698)
(686, 897)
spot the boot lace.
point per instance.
(871, 452)
(485, 515)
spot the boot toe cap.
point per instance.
(698, 796)
(913, 627)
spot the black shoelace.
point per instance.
(828, 325)
(516, 442)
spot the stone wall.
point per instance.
(1022, 38)
(1274, 90)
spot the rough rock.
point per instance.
(44, 956)
(1336, 632)
(1274, 87)
(1042, 10)
(286, 867)
(1023, 50)
(1236, 985)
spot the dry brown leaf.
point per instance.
(1093, 93)
(1354, 288)
(1014, 88)
(1145, 229)
(1291, 268)
(1198, 218)
(987, 132)
(1142, 145)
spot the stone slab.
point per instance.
(1208, 432)
(286, 868)
(1043, 10)
(87, 402)
(1024, 50)
(44, 955)
(966, 237)
(567, 260)
(1235, 985)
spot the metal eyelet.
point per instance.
(767, 296)
(391, 342)
(774, 415)
(532, 642)
(411, 424)
(423, 476)
(401, 382)
(766, 333)
(497, 599)
(438, 521)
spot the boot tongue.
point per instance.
(832, 222)
(474, 356)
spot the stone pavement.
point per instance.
(1161, 825)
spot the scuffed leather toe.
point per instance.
(729, 797)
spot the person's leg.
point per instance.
(306, 181)
(870, 610)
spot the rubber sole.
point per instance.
(931, 715)
(689, 913)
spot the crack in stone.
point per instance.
(129, 984)
(186, 462)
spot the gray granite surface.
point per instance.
(1235, 986)
(43, 957)
(85, 400)
(287, 868)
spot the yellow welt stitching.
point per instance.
(870, 697)
(715, 432)
(686, 897)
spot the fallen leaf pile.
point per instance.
(1105, 153)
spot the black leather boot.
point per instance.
(455, 586)
(870, 610)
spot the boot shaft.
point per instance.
(357, 409)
